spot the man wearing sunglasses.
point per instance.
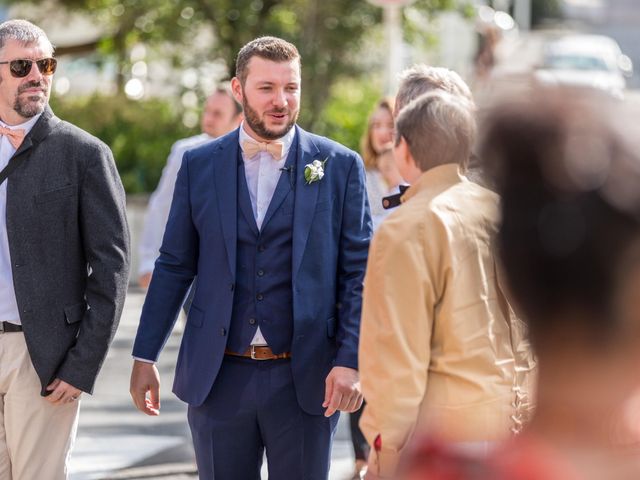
(64, 261)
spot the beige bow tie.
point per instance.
(15, 137)
(251, 149)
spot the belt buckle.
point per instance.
(253, 353)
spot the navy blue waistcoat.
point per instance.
(263, 292)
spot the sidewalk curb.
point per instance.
(153, 471)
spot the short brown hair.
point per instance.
(420, 79)
(439, 128)
(269, 48)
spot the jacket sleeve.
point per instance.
(395, 339)
(174, 271)
(354, 244)
(105, 239)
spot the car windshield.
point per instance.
(575, 62)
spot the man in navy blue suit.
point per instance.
(275, 222)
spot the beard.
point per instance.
(258, 126)
(32, 105)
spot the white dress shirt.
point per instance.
(8, 306)
(155, 219)
(262, 173)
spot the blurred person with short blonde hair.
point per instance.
(420, 79)
(440, 349)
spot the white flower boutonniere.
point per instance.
(314, 171)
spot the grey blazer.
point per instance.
(69, 246)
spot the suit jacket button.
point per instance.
(223, 331)
(252, 321)
(259, 296)
(261, 248)
(260, 273)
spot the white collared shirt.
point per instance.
(8, 306)
(155, 218)
(262, 173)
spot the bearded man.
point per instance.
(275, 223)
(64, 261)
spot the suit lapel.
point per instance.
(244, 199)
(21, 179)
(25, 146)
(305, 199)
(225, 168)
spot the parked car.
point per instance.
(587, 61)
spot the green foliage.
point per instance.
(432, 6)
(328, 33)
(345, 115)
(337, 94)
(140, 133)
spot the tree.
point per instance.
(328, 33)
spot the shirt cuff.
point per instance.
(143, 360)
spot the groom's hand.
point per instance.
(342, 391)
(145, 379)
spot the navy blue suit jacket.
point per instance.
(331, 233)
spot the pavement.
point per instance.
(115, 441)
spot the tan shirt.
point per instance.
(440, 348)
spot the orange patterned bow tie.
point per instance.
(15, 137)
(251, 149)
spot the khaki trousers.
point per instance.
(36, 437)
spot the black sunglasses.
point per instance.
(21, 68)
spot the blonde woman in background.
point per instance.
(383, 176)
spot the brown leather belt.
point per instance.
(255, 352)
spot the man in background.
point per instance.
(420, 79)
(221, 115)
